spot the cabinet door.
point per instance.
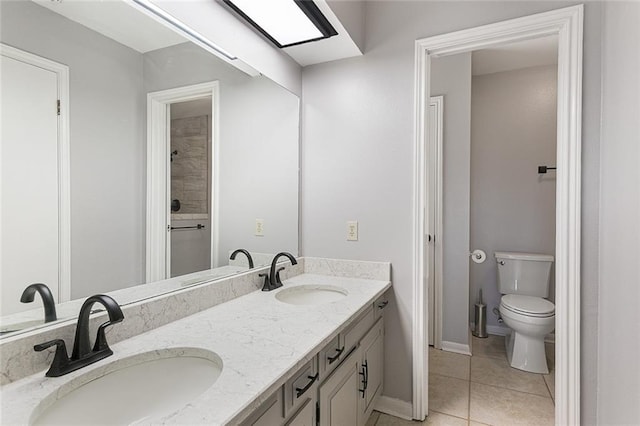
(338, 395)
(269, 413)
(304, 417)
(372, 346)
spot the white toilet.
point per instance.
(523, 279)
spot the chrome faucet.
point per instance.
(47, 299)
(246, 253)
(272, 280)
(82, 354)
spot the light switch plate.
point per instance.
(259, 228)
(352, 230)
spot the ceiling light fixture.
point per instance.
(285, 22)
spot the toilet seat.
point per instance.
(530, 306)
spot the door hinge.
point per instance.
(317, 414)
(58, 106)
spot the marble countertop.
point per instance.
(260, 340)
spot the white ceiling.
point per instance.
(330, 49)
(118, 21)
(513, 56)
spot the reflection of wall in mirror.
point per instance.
(258, 152)
(108, 87)
(107, 109)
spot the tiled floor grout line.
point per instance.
(513, 390)
(495, 386)
(469, 399)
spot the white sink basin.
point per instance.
(311, 294)
(133, 389)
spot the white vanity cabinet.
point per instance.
(372, 359)
(339, 386)
(339, 394)
(306, 416)
(346, 397)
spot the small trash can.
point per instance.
(480, 319)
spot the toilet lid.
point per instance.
(528, 305)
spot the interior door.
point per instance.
(29, 190)
(434, 219)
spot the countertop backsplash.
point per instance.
(18, 359)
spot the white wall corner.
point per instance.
(458, 348)
(351, 16)
(394, 407)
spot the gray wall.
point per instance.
(258, 164)
(360, 111)
(106, 113)
(259, 168)
(451, 77)
(513, 131)
(619, 325)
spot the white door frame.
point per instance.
(566, 23)
(64, 175)
(158, 178)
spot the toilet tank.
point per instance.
(524, 273)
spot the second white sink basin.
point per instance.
(133, 389)
(310, 294)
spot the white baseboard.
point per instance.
(394, 407)
(458, 348)
(503, 330)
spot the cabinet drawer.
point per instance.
(358, 328)
(269, 413)
(379, 305)
(301, 386)
(331, 356)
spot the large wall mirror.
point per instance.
(77, 212)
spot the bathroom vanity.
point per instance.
(313, 347)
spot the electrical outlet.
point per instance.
(259, 228)
(352, 230)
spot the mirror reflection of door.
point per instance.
(30, 195)
(190, 174)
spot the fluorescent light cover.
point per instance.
(174, 24)
(281, 19)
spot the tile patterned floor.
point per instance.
(483, 390)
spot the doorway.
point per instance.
(567, 25)
(501, 127)
(182, 200)
(190, 164)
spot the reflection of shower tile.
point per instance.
(186, 126)
(196, 151)
(190, 165)
(177, 185)
(177, 171)
(189, 206)
(194, 183)
(195, 195)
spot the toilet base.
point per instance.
(526, 353)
